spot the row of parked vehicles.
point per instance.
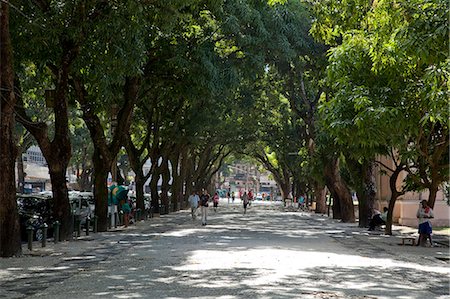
(37, 208)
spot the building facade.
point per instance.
(37, 177)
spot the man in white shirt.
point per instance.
(193, 201)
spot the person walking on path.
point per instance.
(204, 198)
(228, 197)
(232, 197)
(193, 201)
(245, 201)
(216, 201)
(250, 197)
(424, 214)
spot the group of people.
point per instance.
(202, 201)
(424, 214)
(232, 195)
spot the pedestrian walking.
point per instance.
(245, 201)
(232, 197)
(193, 201)
(204, 199)
(228, 197)
(216, 201)
(250, 197)
(424, 214)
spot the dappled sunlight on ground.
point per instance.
(282, 263)
(267, 253)
(180, 233)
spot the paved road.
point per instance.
(268, 253)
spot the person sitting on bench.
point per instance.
(378, 218)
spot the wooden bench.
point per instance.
(410, 240)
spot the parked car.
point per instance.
(34, 211)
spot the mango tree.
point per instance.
(64, 40)
(378, 77)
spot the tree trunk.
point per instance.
(154, 191)
(336, 207)
(61, 206)
(137, 162)
(189, 182)
(165, 185)
(176, 194)
(283, 181)
(57, 154)
(20, 174)
(100, 191)
(298, 188)
(139, 180)
(176, 183)
(389, 219)
(320, 198)
(10, 244)
(366, 191)
(285, 189)
(339, 191)
(186, 184)
(363, 208)
(394, 195)
(84, 181)
(84, 178)
(22, 148)
(119, 178)
(370, 187)
(433, 192)
(9, 219)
